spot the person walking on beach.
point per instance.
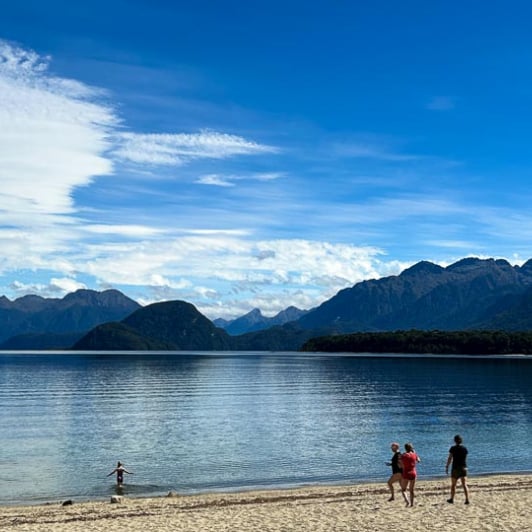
(396, 469)
(409, 460)
(457, 457)
(119, 470)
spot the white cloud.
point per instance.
(55, 288)
(230, 180)
(123, 230)
(220, 232)
(42, 246)
(52, 138)
(177, 149)
(452, 244)
(282, 272)
(216, 180)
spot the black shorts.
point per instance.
(459, 472)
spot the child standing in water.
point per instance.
(119, 470)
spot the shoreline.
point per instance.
(498, 502)
(79, 499)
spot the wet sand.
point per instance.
(498, 503)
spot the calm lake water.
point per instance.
(194, 422)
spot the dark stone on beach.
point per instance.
(68, 502)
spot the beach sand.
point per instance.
(498, 503)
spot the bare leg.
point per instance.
(412, 485)
(396, 477)
(390, 485)
(453, 489)
(404, 484)
(466, 490)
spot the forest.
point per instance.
(478, 342)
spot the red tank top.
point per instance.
(409, 461)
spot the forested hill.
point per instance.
(437, 342)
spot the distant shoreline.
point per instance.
(356, 354)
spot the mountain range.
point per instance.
(480, 294)
(471, 293)
(34, 322)
(255, 321)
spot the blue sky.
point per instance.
(258, 154)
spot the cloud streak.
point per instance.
(178, 149)
(230, 180)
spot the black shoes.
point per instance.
(450, 501)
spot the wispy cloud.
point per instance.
(177, 149)
(370, 147)
(452, 244)
(404, 207)
(441, 103)
(123, 230)
(229, 180)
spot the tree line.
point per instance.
(474, 342)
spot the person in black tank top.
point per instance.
(458, 458)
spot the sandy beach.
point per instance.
(498, 503)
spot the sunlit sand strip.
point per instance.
(498, 503)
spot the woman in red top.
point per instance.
(409, 459)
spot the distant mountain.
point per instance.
(510, 313)
(472, 293)
(255, 321)
(287, 337)
(58, 320)
(174, 325)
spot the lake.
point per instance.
(194, 422)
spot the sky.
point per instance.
(250, 154)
